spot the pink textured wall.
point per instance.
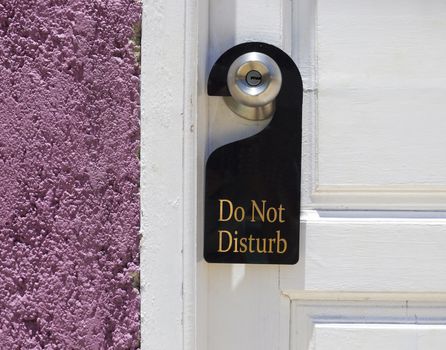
(69, 174)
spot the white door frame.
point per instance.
(169, 176)
(179, 291)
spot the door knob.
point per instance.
(254, 80)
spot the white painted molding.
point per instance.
(315, 296)
(340, 252)
(169, 175)
(389, 197)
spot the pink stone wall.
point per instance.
(69, 174)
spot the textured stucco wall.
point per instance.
(69, 174)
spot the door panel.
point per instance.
(367, 323)
(369, 254)
(380, 124)
(373, 336)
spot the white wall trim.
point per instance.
(169, 174)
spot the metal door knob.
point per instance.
(254, 80)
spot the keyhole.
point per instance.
(253, 78)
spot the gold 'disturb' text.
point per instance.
(258, 212)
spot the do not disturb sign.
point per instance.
(252, 190)
(251, 243)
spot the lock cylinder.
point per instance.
(254, 80)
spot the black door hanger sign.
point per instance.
(252, 189)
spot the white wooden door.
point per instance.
(372, 272)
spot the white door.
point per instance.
(372, 269)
